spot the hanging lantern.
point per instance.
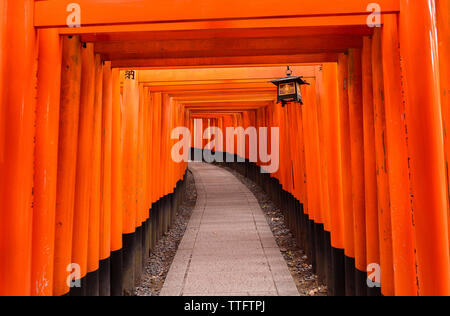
(289, 88)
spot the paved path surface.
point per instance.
(228, 248)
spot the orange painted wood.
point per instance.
(226, 47)
(130, 136)
(355, 100)
(322, 106)
(443, 28)
(320, 208)
(16, 166)
(53, 12)
(3, 45)
(156, 114)
(292, 26)
(294, 148)
(141, 171)
(116, 165)
(346, 156)
(67, 153)
(381, 145)
(402, 220)
(85, 169)
(370, 165)
(95, 197)
(150, 161)
(425, 144)
(301, 151)
(46, 162)
(229, 61)
(330, 112)
(309, 174)
(106, 162)
(155, 77)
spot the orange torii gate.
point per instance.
(372, 138)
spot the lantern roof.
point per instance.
(290, 79)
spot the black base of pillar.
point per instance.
(360, 283)
(337, 287)
(138, 256)
(93, 285)
(327, 258)
(374, 291)
(105, 277)
(129, 247)
(79, 291)
(350, 277)
(117, 273)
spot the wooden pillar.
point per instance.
(130, 132)
(156, 114)
(346, 174)
(321, 107)
(357, 159)
(404, 261)
(46, 162)
(443, 28)
(116, 187)
(418, 48)
(83, 188)
(3, 45)
(106, 182)
(330, 111)
(95, 196)
(16, 166)
(67, 154)
(370, 165)
(381, 145)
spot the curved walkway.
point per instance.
(228, 248)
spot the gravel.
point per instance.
(160, 260)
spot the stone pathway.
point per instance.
(228, 248)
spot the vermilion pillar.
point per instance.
(419, 52)
(344, 128)
(331, 113)
(156, 114)
(3, 43)
(443, 23)
(381, 145)
(83, 189)
(357, 160)
(130, 132)
(403, 244)
(370, 171)
(46, 161)
(321, 106)
(67, 153)
(106, 182)
(95, 197)
(116, 187)
(130, 124)
(16, 164)
(329, 100)
(150, 162)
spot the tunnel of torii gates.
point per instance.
(87, 180)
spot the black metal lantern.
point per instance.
(289, 88)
